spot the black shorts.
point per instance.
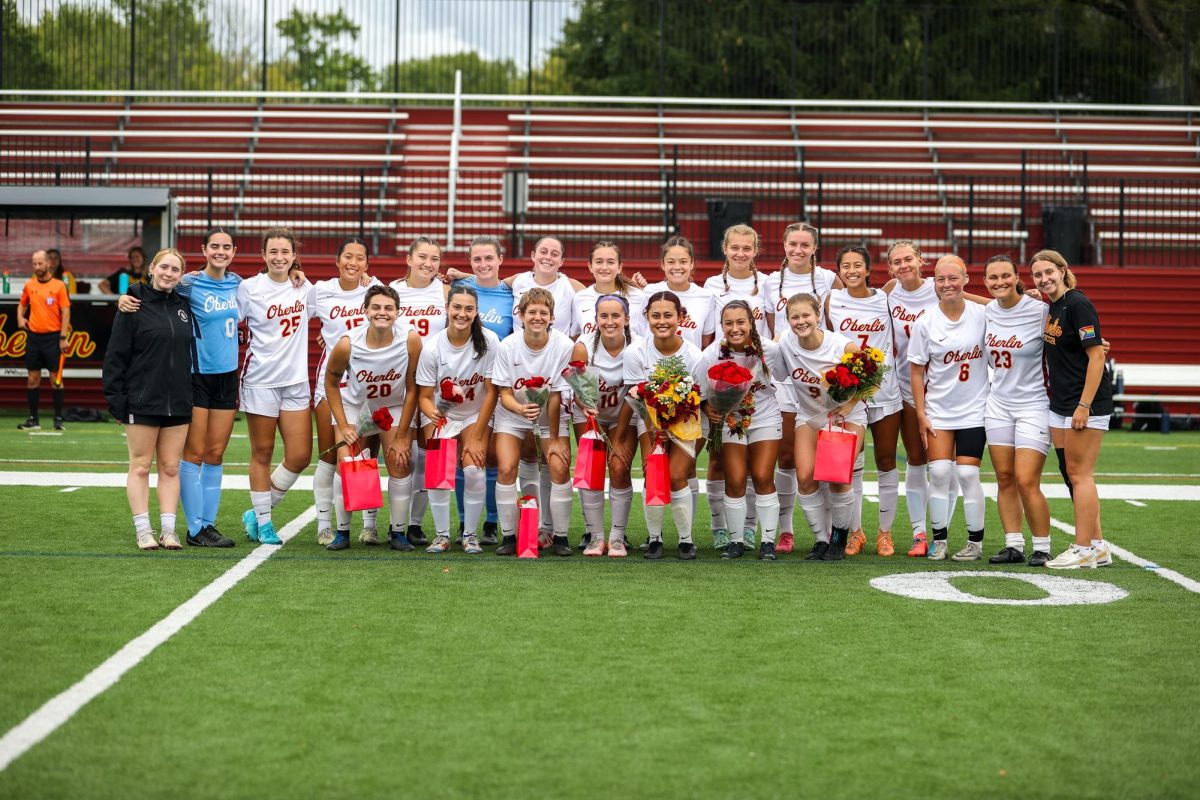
(218, 391)
(42, 351)
(156, 420)
(969, 442)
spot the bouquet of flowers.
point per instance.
(731, 384)
(670, 400)
(380, 420)
(585, 385)
(450, 394)
(537, 392)
(857, 376)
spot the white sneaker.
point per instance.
(368, 536)
(146, 540)
(1074, 557)
(1103, 555)
(937, 550)
(972, 552)
(324, 536)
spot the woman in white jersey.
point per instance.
(663, 312)
(678, 261)
(535, 351)
(755, 453)
(338, 304)
(604, 262)
(950, 390)
(606, 350)
(464, 354)
(274, 389)
(371, 368)
(864, 315)
(1018, 411)
(803, 358)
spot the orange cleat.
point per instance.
(785, 544)
(616, 548)
(920, 548)
(854, 544)
(595, 547)
(883, 544)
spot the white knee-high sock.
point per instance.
(972, 495)
(439, 503)
(768, 512)
(339, 505)
(842, 511)
(751, 522)
(528, 478)
(955, 491)
(735, 515)
(506, 507)
(681, 511)
(716, 504)
(856, 489)
(916, 496)
(261, 503)
(826, 508)
(420, 498)
(282, 479)
(654, 522)
(694, 488)
(621, 500)
(545, 499)
(323, 492)
(474, 494)
(399, 501)
(592, 503)
(889, 496)
(813, 506)
(785, 487)
(560, 502)
(940, 473)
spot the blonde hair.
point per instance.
(1055, 258)
(811, 300)
(168, 251)
(804, 227)
(904, 243)
(740, 230)
(536, 295)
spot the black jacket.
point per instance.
(148, 364)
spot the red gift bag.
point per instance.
(658, 476)
(836, 450)
(360, 482)
(441, 462)
(527, 527)
(591, 460)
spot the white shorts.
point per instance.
(820, 421)
(507, 422)
(268, 402)
(764, 431)
(1026, 429)
(906, 395)
(1064, 423)
(876, 413)
(607, 416)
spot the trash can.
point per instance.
(722, 214)
(1065, 229)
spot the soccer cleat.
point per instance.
(837, 548)
(267, 535)
(416, 536)
(654, 550)
(545, 539)
(208, 536)
(1074, 557)
(644, 546)
(341, 541)
(735, 550)
(686, 551)
(817, 552)
(750, 537)
(398, 541)
(617, 549)
(766, 551)
(786, 542)
(595, 547)
(489, 534)
(1103, 555)
(920, 546)
(1039, 558)
(146, 540)
(462, 530)
(471, 545)
(883, 544)
(1009, 555)
(856, 542)
(169, 541)
(369, 536)
(560, 546)
(508, 547)
(250, 525)
(324, 536)
(973, 551)
(938, 551)
(584, 542)
(441, 543)
(30, 424)
(58, 424)
(720, 538)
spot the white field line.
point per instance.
(1125, 555)
(1136, 503)
(56, 711)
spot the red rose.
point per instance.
(383, 418)
(536, 382)
(450, 391)
(577, 364)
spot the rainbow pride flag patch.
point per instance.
(1087, 332)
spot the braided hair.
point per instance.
(812, 260)
(628, 335)
(755, 341)
(740, 230)
(478, 340)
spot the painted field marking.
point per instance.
(1137, 503)
(58, 710)
(1060, 591)
(1152, 447)
(1125, 555)
(71, 489)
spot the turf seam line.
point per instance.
(59, 709)
(1133, 558)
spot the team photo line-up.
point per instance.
(477, 381)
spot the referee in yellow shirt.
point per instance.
(45, 314)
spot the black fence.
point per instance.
(1021, 51)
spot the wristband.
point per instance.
(1082, 404)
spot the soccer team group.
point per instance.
(484, 359)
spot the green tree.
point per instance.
(23, 62)
(436, 74)
(314, 62)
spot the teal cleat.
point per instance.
(267, 535)
(250, 524)
(750, 535)
(720, 538)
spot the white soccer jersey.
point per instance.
(804, 371)
(867, 321)
(376, 376)
(907, 308)
(564, 302)
(643, 355)
(278, 315)
(766, 407)
(699, 304)
(339, 312)
(610, 370)
(1013, 341)
(516, 362)
(739, 289)
(956, 380)
(440, 359)
(818, 283)
(424, 309)
(585, 310)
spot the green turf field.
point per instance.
(371, 673)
